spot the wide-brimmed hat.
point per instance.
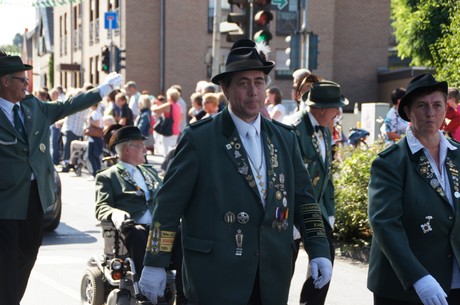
(423, 81)
(127, 133)
(10, 64)
(325, 94)
(109, 131)
(244, 56)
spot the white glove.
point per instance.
(430, 292)
(153, 283)
(112, 80)
(331, 221)
(118, 216)
(321, 265)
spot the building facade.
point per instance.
(168, 42)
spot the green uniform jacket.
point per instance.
(211, 187)
(416, 231)
(20, 157)
(115, 189)
(320, 171)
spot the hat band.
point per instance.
(326, 99)
(250, 63)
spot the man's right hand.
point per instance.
(153, 283)
(430, 292)
(118, 216)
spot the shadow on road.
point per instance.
(65, 234)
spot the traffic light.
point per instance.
(120, 55)
(261, 21)
(313, 51)
(293, 51)
(239, 15)
(105, 59)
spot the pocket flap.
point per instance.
(198, 245)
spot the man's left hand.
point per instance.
(323, 266)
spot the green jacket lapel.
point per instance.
(236, 152)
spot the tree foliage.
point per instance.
(418, 25)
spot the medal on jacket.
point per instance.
(426, 227)
(239, 242)
(281, 218)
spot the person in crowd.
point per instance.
(237, 221)
(315, 142)
(126, 115)
(94, 142)
(395, 127)
(183, 108)
(210, 104)
(133, 95)
(56, 141)
(453, 114)
(144, 120)
(414, 194)
(72, 129)
(170, 109)
(27, 169)
(274, 104)
(302, 80)
(110, 107)
(196, 99)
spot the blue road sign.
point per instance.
(111, 20)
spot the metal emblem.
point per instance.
(426, 227)
(243, 169)
(42, 147)
(434, 183)
(278, 195)
(243, 218)
(239, 243)
(457, 195)
(229, 217)
(228, 146)
(237, 154)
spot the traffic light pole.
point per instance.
(304, 32)
(251, 19)
(216, 38)
(111, 64)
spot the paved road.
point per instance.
(56, 277)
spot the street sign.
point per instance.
(111, 20)
(279, 4)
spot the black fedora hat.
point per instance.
(325, 94)
(423, 81)
(127, 133)
(10, 64)
(244, 56)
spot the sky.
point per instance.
(14, 19)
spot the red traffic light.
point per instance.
(262, 18)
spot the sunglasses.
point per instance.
(22, 79)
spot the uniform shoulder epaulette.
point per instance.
(201, 122)
(288, 127)
(388, 150)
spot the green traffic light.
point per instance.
(263, 36)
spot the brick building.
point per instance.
(169, 42)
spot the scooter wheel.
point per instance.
(92, 287)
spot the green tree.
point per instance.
(418, 26)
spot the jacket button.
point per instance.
(451, 217)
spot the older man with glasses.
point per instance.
(27, 175)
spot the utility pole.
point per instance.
(216, 37)
(304, 32)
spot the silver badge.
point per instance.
(228, 146)
(434, 183)
(239, 243)
(229, 217)
(426, 227)
(243, 218)
(457, 195)
(42, 147)
(237, 154)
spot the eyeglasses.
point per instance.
(137, 145)
(22, 79)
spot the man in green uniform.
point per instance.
(314, 138)
(238, 183)
(27, 171)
